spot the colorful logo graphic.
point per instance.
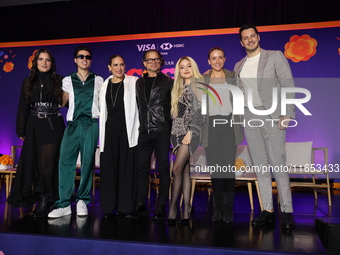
(204, 99)
(210, 94)
(300, 48)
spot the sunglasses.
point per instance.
(88, 57)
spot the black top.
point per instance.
(45, 93)
(115, 99)
(149, 81)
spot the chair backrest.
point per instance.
(15, 154)
(243, 153)
(199, 158)
(299, 154)
(96, 159)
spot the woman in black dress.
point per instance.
(40, 125)
(118, 135)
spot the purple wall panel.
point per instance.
(321, 127)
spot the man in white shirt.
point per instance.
(81, 91)
(257, 74)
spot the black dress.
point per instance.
(37, 172)
(189, 117)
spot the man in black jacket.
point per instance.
(154, 104)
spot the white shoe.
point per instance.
(60, 212)
(81, 208)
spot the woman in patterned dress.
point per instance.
(186, 98)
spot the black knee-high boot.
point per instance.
(218, 206)
(228, 207)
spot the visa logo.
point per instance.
(145, 47)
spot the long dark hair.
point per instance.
(35, 72)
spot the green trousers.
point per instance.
(79, 136)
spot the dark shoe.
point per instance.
(228, 205)
(264, 218)
(160, 214)
(108, 216)
(288, 221)
(120, 214)
(170, 222)
(217, 216)
(140, 211)
(43, 208)
(218, 206)
(185, 221)
(228, 215)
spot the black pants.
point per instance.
(160, 142)
(221, 152)
(118, 169)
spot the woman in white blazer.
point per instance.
(118, 136)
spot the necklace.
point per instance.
(114, 102)
(41, 86)
(42, 83)
(83, 78)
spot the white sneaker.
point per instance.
(60, 212)
(81, 208)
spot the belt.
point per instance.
(85, 121)
(45, 104)
(44, 115)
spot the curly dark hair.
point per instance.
(34, 72)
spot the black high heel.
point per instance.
(171, 222)
(186, 221)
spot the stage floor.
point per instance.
(202, 232)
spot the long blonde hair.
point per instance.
(177, 89)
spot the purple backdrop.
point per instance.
(320, 75)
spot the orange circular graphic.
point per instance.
(8, 67)
(300, 48)
(30, 59)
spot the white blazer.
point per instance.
(130, 107)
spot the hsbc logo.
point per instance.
(166, 46)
